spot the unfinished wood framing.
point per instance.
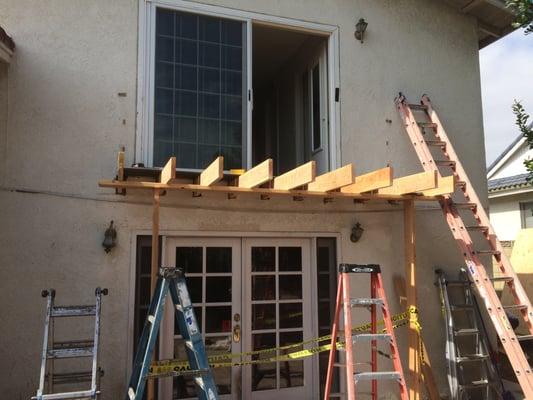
(120, 170)
(333, 180)
(213, 173)
(168, 174)
(445, 185)
(261, 173)
(297, 177)
(374, 180)
(415, 183)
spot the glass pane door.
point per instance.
(277, 298)
(212, 268)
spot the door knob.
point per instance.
(237, 333)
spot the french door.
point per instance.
(248, 294)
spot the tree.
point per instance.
(523, 10)
(526, 129)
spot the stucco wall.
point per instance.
(66, 123)
(505, 215)
(515, 164)
(3, 117)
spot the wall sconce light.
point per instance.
(357, 232)
(110, 238)
(360, 29)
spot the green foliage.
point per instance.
(526, 129)
(523, 10)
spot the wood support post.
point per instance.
(154, 269)
(413, 338)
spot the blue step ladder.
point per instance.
(173, 280)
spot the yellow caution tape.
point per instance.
(174, 367)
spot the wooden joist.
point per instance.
(258, 175)
(415, 183)
(168, 173)
(120, 170)
(332, 180)
(374, 180)
(302, 175)
(213, 173)
(445, 185)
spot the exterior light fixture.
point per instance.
(357, 232)
(360, 29)
(110, 238)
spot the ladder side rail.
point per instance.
(373, 343)
(451, 356)
(333, 342)
(98, 309)
(492, 303)
(44, 355)
(190, 332)
(350, 378)
(146, 346)
(390, 330)
(519, 294)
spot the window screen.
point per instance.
(199, 98)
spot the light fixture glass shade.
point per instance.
(360, 29)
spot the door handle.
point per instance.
(237, 333)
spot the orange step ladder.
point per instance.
(377, 299)
(419, 132)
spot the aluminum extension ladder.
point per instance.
(172, 280)
(428, 135)
(53, 351)
(377, 299)
(471, 372)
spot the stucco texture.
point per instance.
(66, 122)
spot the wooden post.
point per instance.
(150, 395)
(410, 280)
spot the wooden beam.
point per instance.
(168, 173)
(374, 180)
(258, 175)
(412, 183)
(120, 170)
(296, 177)
(213, 173)
(332, 180)
(411, 295)
(427, 372)
(190, 187)
(445, 185)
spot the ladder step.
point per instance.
(472, 358)
(471, 206)
(73, 311)
(481, 228)
(84, 394)
(72, 352)
(461, 184)
(461, 307)
(418, 107)
(523, 338)
(436, 143)
(515, 307)
(445, 163)
(502, 279)
(370, 336)
(466, 332)
(427, 125)
(365, 302)
(73, 377)
(368, 376)
(488, 252)
(475, 384)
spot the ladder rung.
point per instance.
(436, 143)
(445, 163)
(457, 283)
(73, 311)
(70, 352)
(515, 307)
(84, 394)
(461, 307)
(365, 302)
(475, 384)
(488, 252)
(471, 206)
(370, 336)
(368, 376)
(73, 377)
(523, 338)
(418, 107)
(481, 228)
(466, 332)
(472, 358)
(502, 279)
(427, 125)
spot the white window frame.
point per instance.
(146, 60)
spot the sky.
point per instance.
(506, 74)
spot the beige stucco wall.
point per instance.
(66, 123)
(505, 215)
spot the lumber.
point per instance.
(412, 183)
(258, 175)
(168, 173)
(445, 185)
(374, 180)
(411, 295)
(120, 171)
(427, 372)
(213, 173)
(333, 180)
(302, 175)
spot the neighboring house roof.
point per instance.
(6, 40)
(510, 182)
(504, 153)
